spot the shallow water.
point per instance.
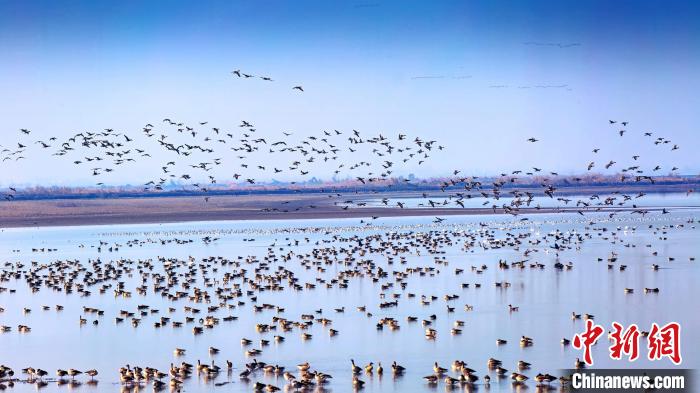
(545, 297)
(617, 201)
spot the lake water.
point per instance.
(617, 201)
(545, 297)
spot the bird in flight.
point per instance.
(297, 88)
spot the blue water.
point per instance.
(545, 297)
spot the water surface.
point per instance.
(545, 297)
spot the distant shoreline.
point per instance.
(72, 212)
(682, 184)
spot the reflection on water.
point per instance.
(545, 297)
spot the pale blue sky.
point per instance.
(82, 65)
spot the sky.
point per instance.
(480, 77)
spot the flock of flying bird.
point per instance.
(199, 151)
(194, 155)
(195, 151)
(240, 74)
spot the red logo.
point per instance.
(627, 343)
(662, 341)
(587, 339)
(665, 341)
